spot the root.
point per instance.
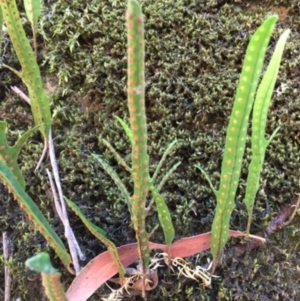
(184, 268)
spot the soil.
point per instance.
(194, 53)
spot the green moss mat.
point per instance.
(194, 52)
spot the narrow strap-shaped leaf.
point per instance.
(207, 179)
(53, 287)
(41, 263)
(34, 214)
(1, 26)
(126, 128)
(97, 231)
(119, 159)
(167, 175)
(9, 154)
(101, 235)
(163, 159)
(138, 125)
(259, 120)
(116, 179)
(33, 10)
(236, 134)
(30, 70)
(163, 215)
(50, 276)
(162, 209)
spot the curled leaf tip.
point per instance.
(41, 263)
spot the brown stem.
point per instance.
(276, 223)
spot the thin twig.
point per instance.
(294, 212)
(7, 276)
(54, 194)
(60, 207)
(73, 245)
(59, 211)
(20, 93)
(276, 223)
(42, 156)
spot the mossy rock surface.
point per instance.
(194, 53)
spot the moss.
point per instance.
(194, 53)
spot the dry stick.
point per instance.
(276, 223)
(7, 277)
(20, 93)
(54, 194)
(73, 245)
(296, 206)
(59, 212)
(60, 207)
